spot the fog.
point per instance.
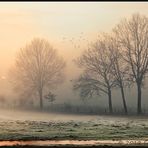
(69, 27)
(16, 115)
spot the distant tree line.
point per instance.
(115, 60)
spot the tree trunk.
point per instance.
(139, 110)
(110, 100)
(123, 99)
(41, 99)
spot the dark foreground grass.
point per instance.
(100, 129)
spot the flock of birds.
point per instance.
(75, 42)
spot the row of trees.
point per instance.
(115, 60)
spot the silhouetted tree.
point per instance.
(119, 68)
(132, 36)
(50, 97)
(38, 68)
(97, 65)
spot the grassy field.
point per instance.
(43, 126)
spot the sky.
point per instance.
(68, 26)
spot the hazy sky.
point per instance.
(59, 22)
(22, 21)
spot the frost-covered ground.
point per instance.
(15, 125)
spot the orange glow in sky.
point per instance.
(64, 24)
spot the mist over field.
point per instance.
(69, 27)
(66, 26)
(73, 71)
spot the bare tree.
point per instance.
(119, 69)
(38, 68)
(50, 97)
(132, 36)
(97, 76)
